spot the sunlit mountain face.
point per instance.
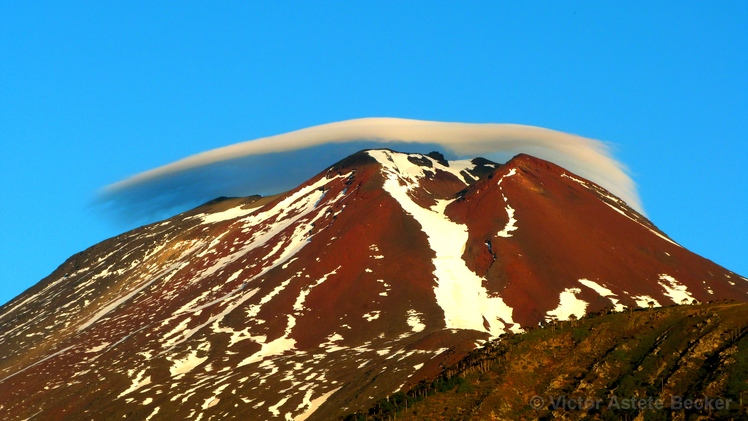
(362, 281)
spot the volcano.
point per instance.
(362, 281)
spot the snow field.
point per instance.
(459, 291)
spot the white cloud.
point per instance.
(586, 157)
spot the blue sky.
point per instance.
(94, 92)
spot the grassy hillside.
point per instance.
(681, 363)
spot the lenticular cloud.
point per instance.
(273, 164)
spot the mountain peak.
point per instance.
(532, 164)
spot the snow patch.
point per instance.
(288, 263)
(312, 406)
(275, 408)
(330, 346)
(299, 304)
(276, 347)
(153, 414)
(644, 300)
(604, 292)
(97, 348)
(569, 304)
(675, 290)
(460, 169)
(371, 315)
(213, 400)
(139, 381)
(414, 321)
(232, 213)
(190, 361)
(510, 226)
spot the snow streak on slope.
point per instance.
(108, 308)
(604, 292)
(459, 291)
(226, 215)
(511, 225)
(617, 205)
(311, 406)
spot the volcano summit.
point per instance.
(362, 281)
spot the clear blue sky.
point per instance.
(93, 92)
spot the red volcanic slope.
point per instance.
(316, 302)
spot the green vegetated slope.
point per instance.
(680, 362)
